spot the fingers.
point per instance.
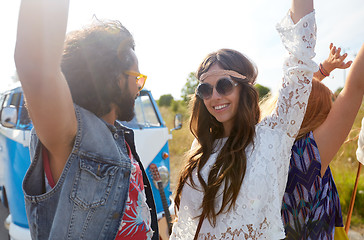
(347, 65)
(336, 59)
(332, 49)
(342, 58)
(337, 54)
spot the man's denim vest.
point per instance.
(89, 198)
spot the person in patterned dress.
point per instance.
(311, 206)
(233, 183)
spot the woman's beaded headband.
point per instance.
(221, 72)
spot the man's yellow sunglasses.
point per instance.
(140, 78)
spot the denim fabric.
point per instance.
(89, 198)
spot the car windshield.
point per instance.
(145, 114)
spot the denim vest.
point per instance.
(89, 198)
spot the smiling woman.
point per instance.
(233, 182)
(223, 103)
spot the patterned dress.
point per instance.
(311, 207)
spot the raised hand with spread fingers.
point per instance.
(335, 60)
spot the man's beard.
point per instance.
(126, 107)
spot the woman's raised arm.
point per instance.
(300, 8)
(299, 39)
(332, 133)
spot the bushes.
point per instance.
(165, 100)
(262, 90)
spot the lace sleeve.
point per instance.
(299, 39)
(360, 150)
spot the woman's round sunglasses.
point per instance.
(224, 87)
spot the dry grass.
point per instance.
(180, 144)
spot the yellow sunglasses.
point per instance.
(140, 78)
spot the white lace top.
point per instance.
(257, 214)
(360, 150)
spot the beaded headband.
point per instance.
(221, 72)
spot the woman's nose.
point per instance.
(215, 94)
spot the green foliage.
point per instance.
(175, 106)
(262, 90)
(338, 91)
(165, 100)
(345, 179)
(189, 87)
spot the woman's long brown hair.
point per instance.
(229, 169)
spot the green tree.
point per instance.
(165, 100)
(262, 90)
(189, 87)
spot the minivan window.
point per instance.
(24, 119)
(145, 114)
(2, 97)
(6, 100)
(15, 100)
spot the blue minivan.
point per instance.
(151, 138)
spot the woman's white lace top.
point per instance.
(257, 214)
(360, 150)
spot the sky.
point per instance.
(173, 37)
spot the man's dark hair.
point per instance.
(93, 60)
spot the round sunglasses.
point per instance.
(224, 87)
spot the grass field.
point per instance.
(344, 166)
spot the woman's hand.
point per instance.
(336, 59)
(333, 61)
